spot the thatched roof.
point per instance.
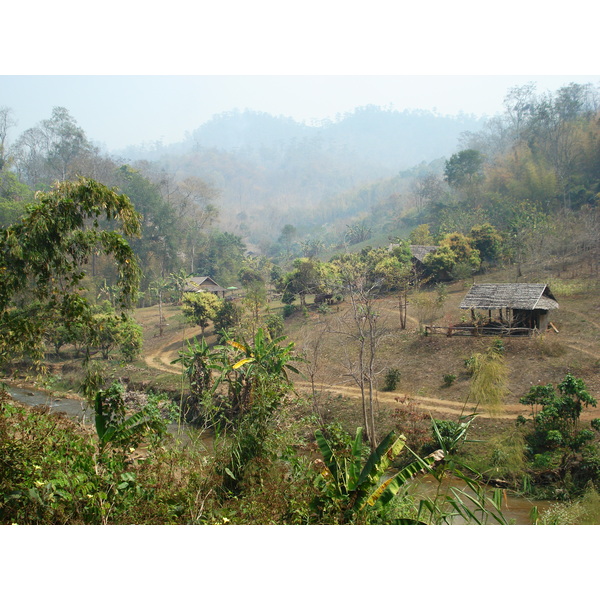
(203, 284)
(420, 252)
(523, 296)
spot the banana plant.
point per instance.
(467, 499)
(264, 358)
(267, 355)
(356, 489)
(199, 360)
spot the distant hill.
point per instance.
(393, 139)
(238, 131)
(273, 170)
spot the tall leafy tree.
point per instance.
(65, 142)
(201, 308)
(309, 276)
(50, 150)
(397, 274)
(220, 257)
(43, 261)
(195, 201)
(464, 168)
(228, 317)
(487, 241)
(159, 241)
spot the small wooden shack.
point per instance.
(519, 305)
(205, 284)
(420, 252)
(418, 256)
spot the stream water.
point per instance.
(73, 408)
(515, 508)
(82, 412)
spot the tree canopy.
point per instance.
(43, 260)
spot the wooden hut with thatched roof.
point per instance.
(520, 305)
(205, 284)
(418, 256)
(420, 252)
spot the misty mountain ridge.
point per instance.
(395, 139)
(272, 170)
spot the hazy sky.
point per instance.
(132, 72)
(116, 111)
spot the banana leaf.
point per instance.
(242, 362)
(355, 465)
(381, 458)
(389, 488)
(328, 455)
(237, 345)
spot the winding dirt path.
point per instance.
(436, 405)
(168, 348)
(579, 348)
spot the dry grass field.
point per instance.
(422, 360)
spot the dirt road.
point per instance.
(166, 349)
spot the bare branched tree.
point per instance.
(312, 347)
(364, 327)
(6, 122)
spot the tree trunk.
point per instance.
(402, 308)
(160, 314)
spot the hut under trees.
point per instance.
(205, 284)
(420, 252)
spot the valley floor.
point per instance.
(422, 360)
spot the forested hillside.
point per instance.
(258, 173)
(273, 171)
(251, 181)
(309, 234)
(533, 173)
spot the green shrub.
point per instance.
(274, 325)
(288, 310)
(392, 378)
(52, 473)
(449, 379)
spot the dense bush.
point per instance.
(392, 378)
(557, 441)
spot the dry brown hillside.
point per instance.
(422, 360)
